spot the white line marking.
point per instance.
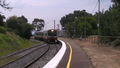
(55, 60)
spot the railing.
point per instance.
(102, 41)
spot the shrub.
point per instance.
(117, 42)
(26, 31)
(2, 30)
(9, 29)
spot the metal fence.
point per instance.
(101, 40)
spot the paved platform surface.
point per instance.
(79, 58)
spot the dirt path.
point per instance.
(101, 57)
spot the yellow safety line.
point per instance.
(70, 57)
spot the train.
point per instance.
(49, 36)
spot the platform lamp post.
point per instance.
(61, 28)
(85, 24)
(98, 20)
(74, 26)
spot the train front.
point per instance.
(52, 36)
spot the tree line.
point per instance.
(109, 22)
(14, 24)
(74, 23)
(17, 25)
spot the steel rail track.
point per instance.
(9, 65)
(36, 58)
(20, 51)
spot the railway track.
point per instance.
(40, 63)
(20, 51)
(23, 60)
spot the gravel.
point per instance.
(20, 63)
(47, 57)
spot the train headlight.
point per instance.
(52, 30)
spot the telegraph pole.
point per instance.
(58, 26)
(85, 24)
(74, 27)
(98, 21)
(54, 24)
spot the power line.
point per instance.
(95, 7)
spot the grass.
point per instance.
(10, 42)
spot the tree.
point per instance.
(75, 21)
(38, 23)
(1, 20)
(109, 20)
(82, 28)
(20, 28)
(5, 5)
(71, 17)
(69, 29)
(13, 22)
(42, 22)
(22, 19)
(26, 30)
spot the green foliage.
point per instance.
(70, 29)
(11, 42)
(109, 20)
(117, 42)
(26, 30)
(19, 27)
(78, 19)
(12, 22)
(39, 23)
(9, 30)
(2, 30)
(71, 17)
(1, 20)
(22, 19)
(105, 40)
(82, 28)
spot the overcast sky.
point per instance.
(51, 10)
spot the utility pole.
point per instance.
(58, 26)
(74, 27)
(54, 24)
(85, 24)
(61, 29)
(98, 20)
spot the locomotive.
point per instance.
(48, 36)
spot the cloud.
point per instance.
(51, 9)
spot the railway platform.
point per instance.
(73, 57)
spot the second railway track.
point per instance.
(27, 58)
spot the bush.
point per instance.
(2, 30)
(9, 29)
(26, 31)
(117, 42)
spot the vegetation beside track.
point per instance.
(10, 42)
